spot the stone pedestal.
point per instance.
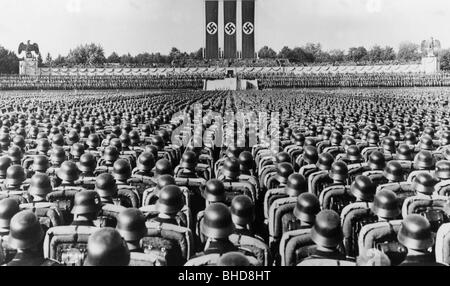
(430, 65)
(29, 66)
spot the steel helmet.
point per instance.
(87, 163)
(131, 224)
(233, 258)
(8, 208)
(339, 171)
(363, 188)
(284, 170)
(86, 202)
(189, 160)
(5, 162)
(214, 191)
(15, 175)
(107, 248)
(443, 170)
(424, 160)
(307, 207)
(242, 210)
(40, 185)
(415, 232)
(170, 200)
(165, 180)
(394, 171)
(146, 161)
(385, 205)
(25, 230)
(325, 161)
(77, 150)
(163, 167)
(105, 185)
(424, 183)
(68, 172)
(296, 185)
(310, 154)
(231, 168)
(122, 170)
(327, 231)
(217, 222)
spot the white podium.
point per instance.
(430, 65)
(29, 66)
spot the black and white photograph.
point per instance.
(257, 134)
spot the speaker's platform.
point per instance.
(230, 84)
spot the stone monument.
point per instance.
(29, 64)
(430, 62)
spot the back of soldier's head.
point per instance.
(107, 248)
(233, 259)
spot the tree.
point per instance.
(408, 51)
(388, 54)
(39, 59)
(267, 53)
(357, 54)
(313, 50)
(337, 56)
(114, 58)
(60, 61)
(126, 59)
(444, 57)
(91, 55)
(175, 55)
(197, 55)
(375, 54)
(284, 53)
(48, 60)
(9, 62)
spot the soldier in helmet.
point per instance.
(131, 226)
(106, 187)
(15, 178)
(243, 215)
(87, 166)
(144, 165)
(304, 213)
(26, 236)
(69, 174)
(322, 162)
(76, 150)
(40, 164)
(163, 167)
(8, 208)
(246, 163)
(107, 248)
(169, 205)
(110, 155)
(187, 166)
(5, 162)
(416, 235)
(40, 187)
(86, 208)
(233, 259)
(337, 176)
(216, 226)
(327, 236)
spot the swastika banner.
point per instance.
(248, 29)
(230, 45)
(212, 29)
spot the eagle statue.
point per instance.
(28, 48)
(430, 47)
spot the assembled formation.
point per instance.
(259, 178)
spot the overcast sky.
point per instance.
(156, 25)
